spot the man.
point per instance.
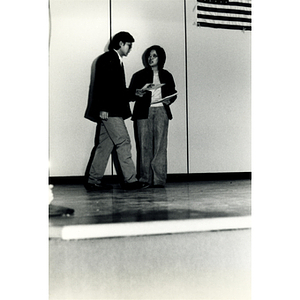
(108, 105)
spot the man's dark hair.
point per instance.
(122, 36)
(160, 53)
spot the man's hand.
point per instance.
(103, 115)
(140, 93)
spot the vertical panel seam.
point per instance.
(110, 37)
(186, 88)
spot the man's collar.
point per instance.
(121, 60)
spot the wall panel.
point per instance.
(79, 33)
(219, 114)
(149, 23)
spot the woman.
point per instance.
(154, 88)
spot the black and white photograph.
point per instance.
(150, 149)
(151, 196)
(140, 148)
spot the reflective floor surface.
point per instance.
(177, 201)
(95, 260)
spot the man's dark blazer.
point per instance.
(107, 91)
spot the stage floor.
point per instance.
(190, 240)
(187, 202)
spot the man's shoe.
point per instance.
(145, 185)
(97, 187)
(133, 185)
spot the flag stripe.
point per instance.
(205, 14)
(246, 3)
(235, 14)
(223, 26)
(212, 17)
(229, 10)
(226, 22)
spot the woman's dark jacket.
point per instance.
(142, 104)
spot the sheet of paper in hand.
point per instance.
(151, 86)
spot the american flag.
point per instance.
(226, 14)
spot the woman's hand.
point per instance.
(167, 102)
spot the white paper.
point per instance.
(165, 98)
(151, 86)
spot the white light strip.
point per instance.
(92, 231)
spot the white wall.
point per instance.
(219, 98)
(149, 23)
(218, 66)
(79, 33)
